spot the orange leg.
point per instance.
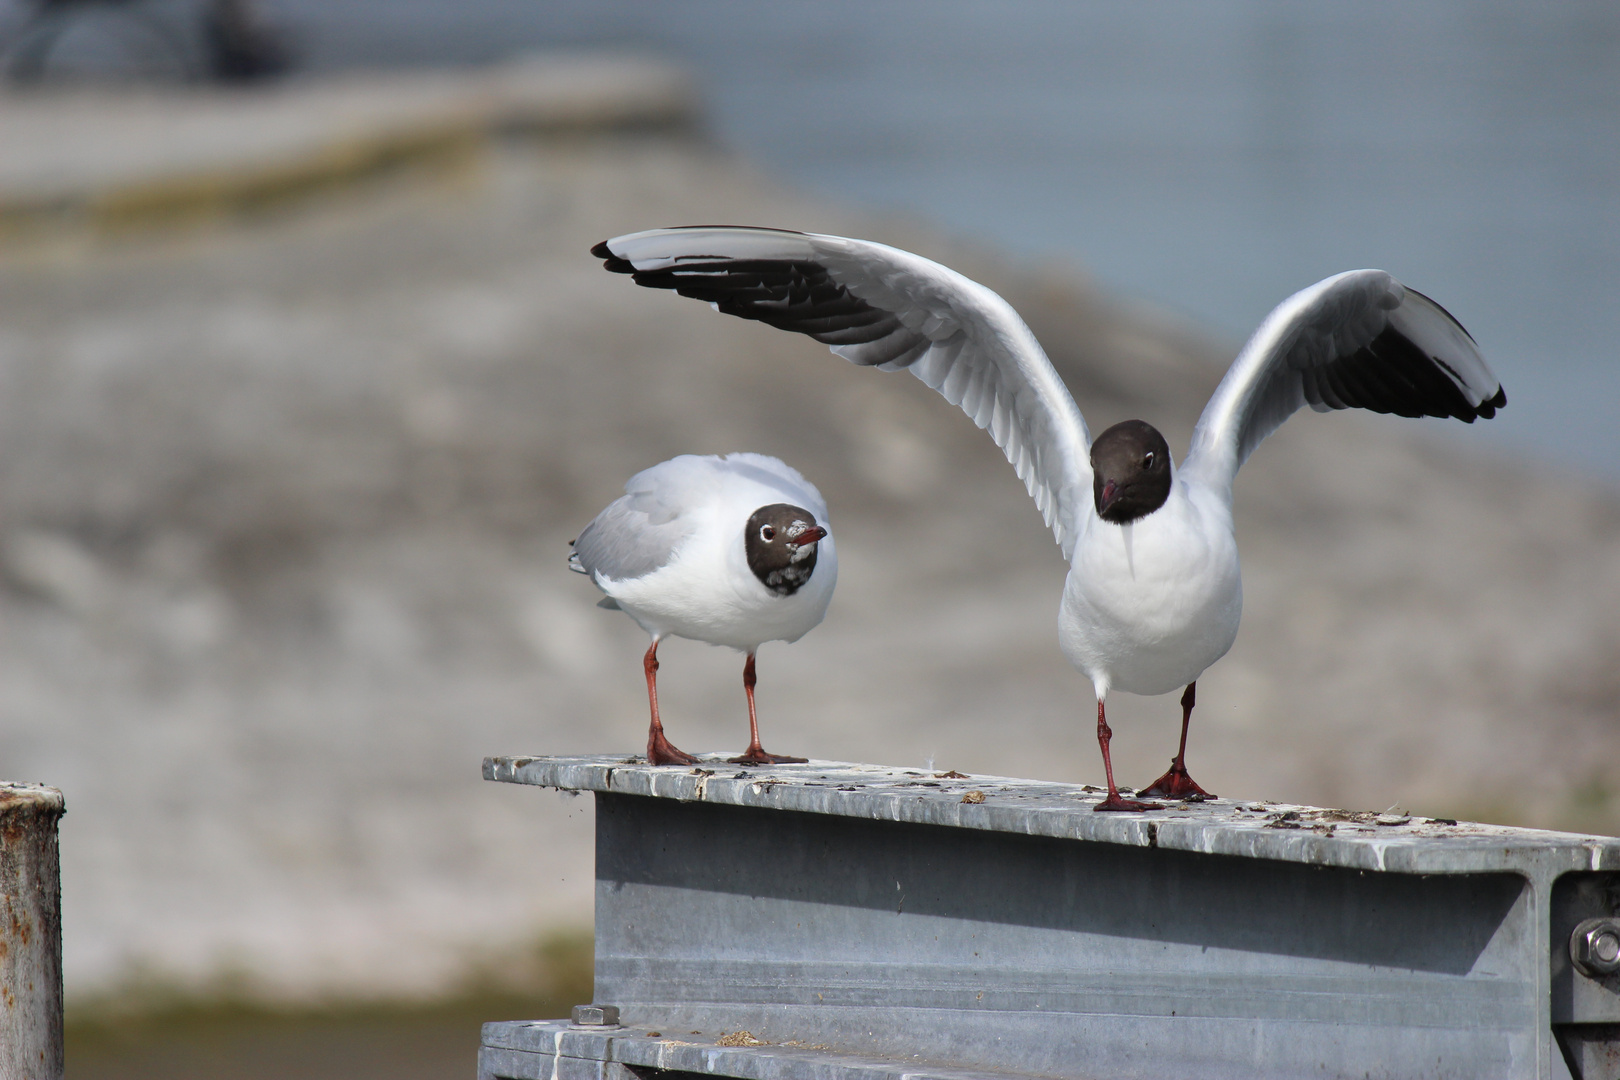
(1176, 784)
(660, 751)
(755, 754)
(1114, 802)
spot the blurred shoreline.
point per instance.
(285, 495)
(83, 158)
(1210, 159)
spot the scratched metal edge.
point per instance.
(558, 1038)
(1013, 806)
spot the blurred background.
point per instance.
(307, 378)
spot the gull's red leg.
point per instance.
(1176, 784)
(1114, 802)
(755, 754)
(660, 751)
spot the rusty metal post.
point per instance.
(30, 933)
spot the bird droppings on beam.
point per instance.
(1389, 841)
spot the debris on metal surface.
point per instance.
(1253, 828)
(554, 1050)
(837, 921)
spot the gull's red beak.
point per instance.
(1110, 492)
(809, 536)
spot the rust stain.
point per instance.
(20, 928)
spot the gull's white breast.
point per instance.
(1148, 606)
(706, 592)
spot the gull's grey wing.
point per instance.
(1359, 339)
(881, 307)
(640, 531)
(621, 543)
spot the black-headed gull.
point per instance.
(731, 550)
(1153, 596)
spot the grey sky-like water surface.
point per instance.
(1209, 158)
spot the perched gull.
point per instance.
(730, 550)
(1153, 595)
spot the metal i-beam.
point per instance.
(859, 913)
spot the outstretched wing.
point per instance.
(882, 307)
(1359, 340)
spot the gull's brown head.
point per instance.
(1130, 471)
(780, 540)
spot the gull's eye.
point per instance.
(1147, 460)
(767, 533)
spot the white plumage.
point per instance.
(671, 554)
(1150, 600)
(1149, 605)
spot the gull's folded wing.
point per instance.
(641, 531)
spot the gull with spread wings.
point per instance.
(1153, 596)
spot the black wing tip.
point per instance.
(610, 261)
(1487, 408)
(573, 557)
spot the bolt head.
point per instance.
(1595, 947)
(596, 1015)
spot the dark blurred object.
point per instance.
(241, 46)
(224, 41)
(124, 38)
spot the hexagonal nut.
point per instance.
(596, 1015)
(1595, 947)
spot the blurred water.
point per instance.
(1211, 158)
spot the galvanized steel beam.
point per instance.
(1000, 925)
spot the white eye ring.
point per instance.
(767, 533)
(1147, 461)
